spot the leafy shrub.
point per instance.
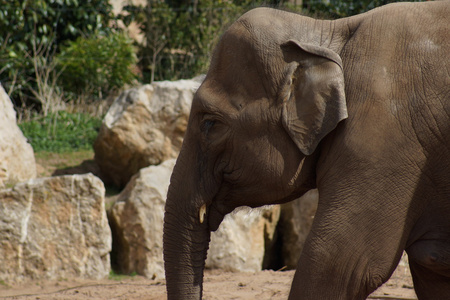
(197, 42)
(179, 35)
(339, 9)
(61, 132)
(96, 64)
(30, 28)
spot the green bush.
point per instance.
(36, 28)
(339, 9)
(180, 35)
(61, 132)
(96, 65)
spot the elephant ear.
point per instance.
(313, 98)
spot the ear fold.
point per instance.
(314, 101)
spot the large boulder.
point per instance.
(295, 223)
(137, 219)
(241, 242)
(53, 228)
(144, 126)
(16, 155)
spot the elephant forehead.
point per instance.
(215, 100)
(229, 88)
(236, 111)
(218, 101)
(244, 63)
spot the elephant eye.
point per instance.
(207, 125)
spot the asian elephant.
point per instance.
(357, 107)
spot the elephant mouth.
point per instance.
(215, 215)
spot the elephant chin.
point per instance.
(216, 215)
(214, 220)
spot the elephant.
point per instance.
(358, 108)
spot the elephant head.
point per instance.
(270, 97)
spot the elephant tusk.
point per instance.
(202, 213)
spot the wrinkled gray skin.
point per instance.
(357, 107)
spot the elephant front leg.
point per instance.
(353, 248)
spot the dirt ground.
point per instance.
(218, 286)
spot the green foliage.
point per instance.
(61, 132)
(339, 9)
(155, 21)
(27, 27)
(179, 35)
(25, 21)
(195, 43)
(97, 64)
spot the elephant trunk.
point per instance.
(186, 236)
(184, 257)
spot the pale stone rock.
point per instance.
(295, 223)
(17, 161)
(240, 243)
(137, 220)
(144, 126)
(53, 228)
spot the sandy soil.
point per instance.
(218, 285)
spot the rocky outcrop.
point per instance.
(143, 127)
(295, 223)
(52, 228)
(241, 241)
(137, 220)
(16, 155)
